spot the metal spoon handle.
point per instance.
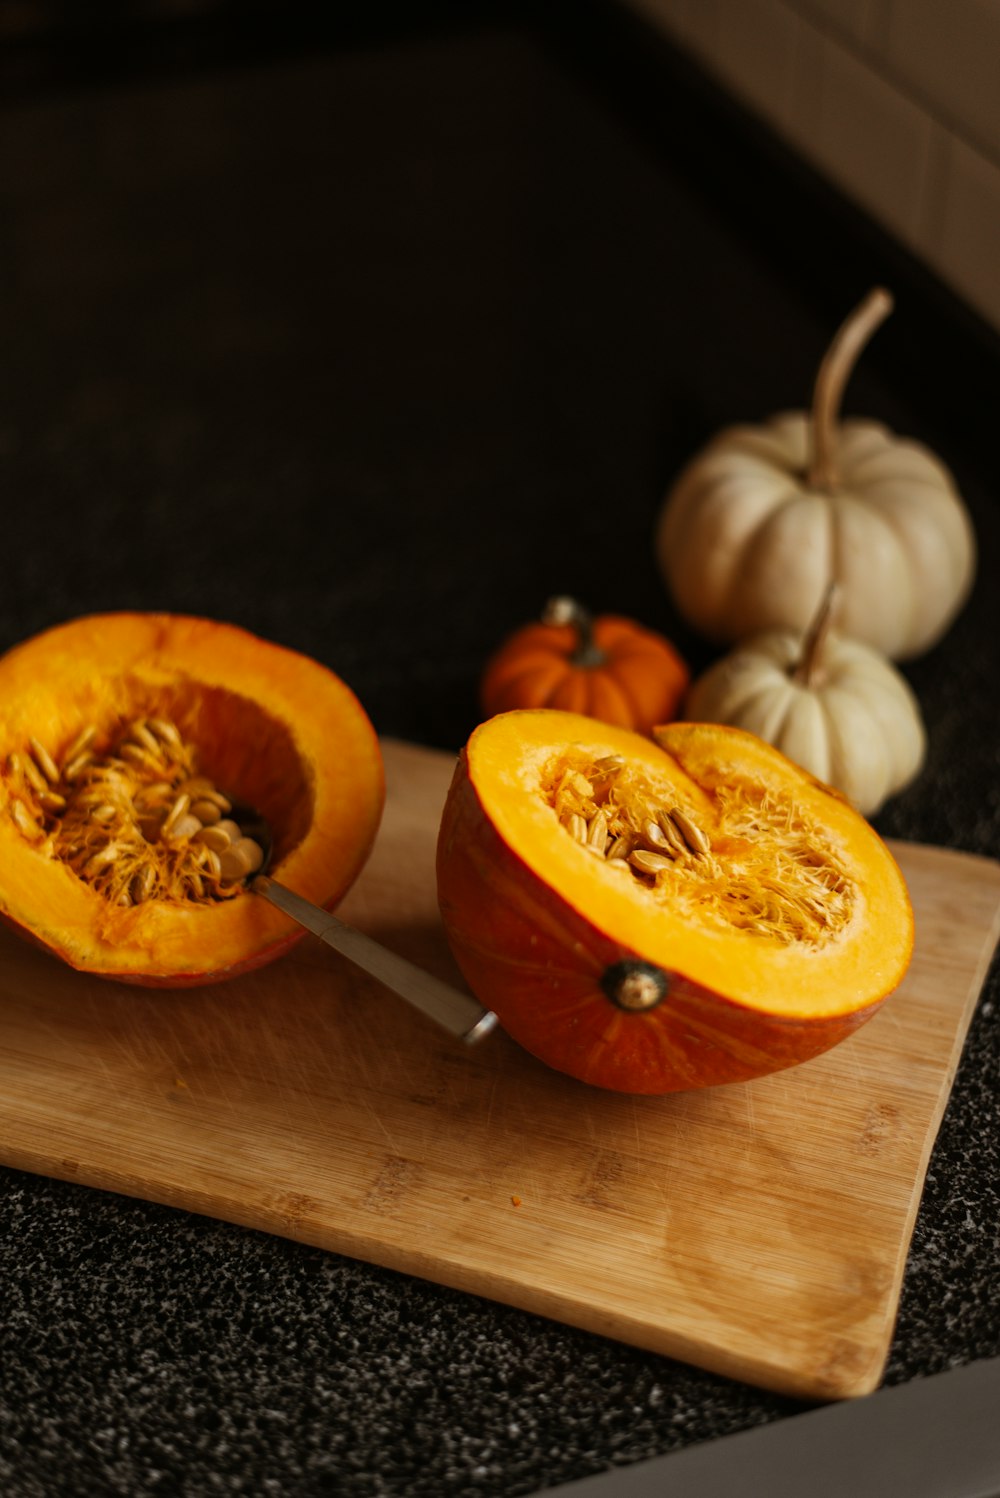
(456, 1012)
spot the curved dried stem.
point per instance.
(809, 663)
(831, 381)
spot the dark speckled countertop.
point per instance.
(370, 339)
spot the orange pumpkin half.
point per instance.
(609, 668)
(108, 715)
(654, 917)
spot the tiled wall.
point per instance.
(897, 101)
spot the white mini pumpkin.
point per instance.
(764, 516)
(834, 705)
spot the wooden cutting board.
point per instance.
(759, 1230)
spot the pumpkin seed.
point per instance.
(196, 786)
(215, 838)
(34, 776)
(83, 741)
(176, 811)
(653, 834)
(690, 831)
(597, 832)
(141, 735)
(140, 756)
(24, 821)
(575, 825)
(78, 767)
(670, 832)
(234, 863)
(207, 811)
(44, 761)
(186, 826)
(649, 863)
(252, 851)
(99, 861)
(166, 731)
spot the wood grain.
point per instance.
(759, 1230)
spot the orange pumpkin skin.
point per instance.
(609, 668)
(279, 731)
(196, 977)
(541, 964)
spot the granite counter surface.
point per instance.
(370, 341)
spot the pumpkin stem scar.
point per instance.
(634, 985)
(562, 610)
(831, 381)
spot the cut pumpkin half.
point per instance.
(658, 916)
(116, 730)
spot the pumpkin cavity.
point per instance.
(759, 865)
(137, 802)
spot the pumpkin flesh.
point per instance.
(272, 728)
(776, 943)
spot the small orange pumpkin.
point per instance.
(657, 917)
(609, 668)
